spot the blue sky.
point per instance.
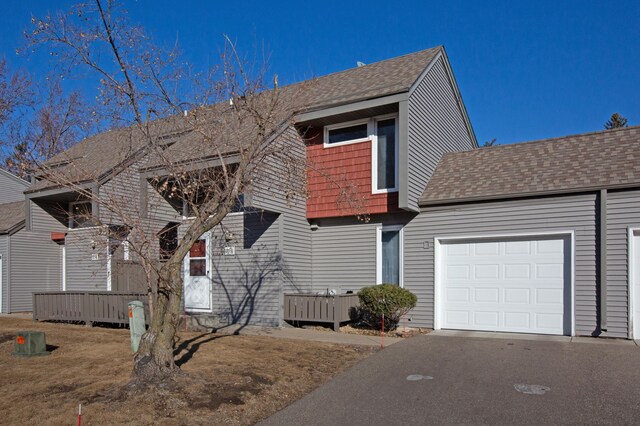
(526, 70)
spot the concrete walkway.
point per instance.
(320, 336)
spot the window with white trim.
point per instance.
(346, 133)
(385, 162)
(383, 133)
(389, 253)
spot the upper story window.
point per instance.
(345, 133)
(80, 214)
(383, 133)
(385, 161)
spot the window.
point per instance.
(383, 134)
(346, 133)
(386, 154)
(80, 214)
(198, 259)
(389, 255)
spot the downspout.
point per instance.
(603, 260)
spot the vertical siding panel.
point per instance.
(623, 212)
(35, 266)
(436, 126)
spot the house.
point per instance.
(20, 248)
(535, 237)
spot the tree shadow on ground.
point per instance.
(189, 347)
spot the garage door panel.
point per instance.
(486, 295)
(517, 271)
(486, 272)
(485, 319)
(517, 320)
(514, 286)
(517, 295)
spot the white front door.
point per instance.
(519, 285)
(634, 267)
(197, 284)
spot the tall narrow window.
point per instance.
(390, 255)
(386, 167)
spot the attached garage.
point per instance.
(515, 284)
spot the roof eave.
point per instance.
(502, 197)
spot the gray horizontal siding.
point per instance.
(83, 273)
(246, 287)
(122, 193)
(436, 125)
(11, 188)
(4, 251)
(575, 213)
(43, 221)
(344, 252)
(35, 266)
(623, 211)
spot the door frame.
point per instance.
(185, 274)
(439, 258)
(633, 274)
(379, 230)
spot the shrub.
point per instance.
(389, 300)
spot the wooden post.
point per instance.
(336, 312)
(86, 309)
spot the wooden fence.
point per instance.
(333, 309)
(86, 306)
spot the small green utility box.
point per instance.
(30, 343)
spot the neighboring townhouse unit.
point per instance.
(29, 260)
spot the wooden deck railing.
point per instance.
(320, 308)
(86, 306)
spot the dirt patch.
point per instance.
(367, 331)
(229, 379)
(6, 337)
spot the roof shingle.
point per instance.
(605, 159)
(11, 216)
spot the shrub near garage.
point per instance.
(386, 300)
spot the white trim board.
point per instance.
(438, 258)
(632, 267)
(379, 229)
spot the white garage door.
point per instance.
(512, 285)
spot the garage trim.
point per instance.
(438, 258)
(631, 279)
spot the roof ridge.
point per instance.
(440, 46)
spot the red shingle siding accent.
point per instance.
(339, 181)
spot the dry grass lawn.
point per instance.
(231, 379)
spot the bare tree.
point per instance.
(15, 91)
(52, 124)
(229, 127)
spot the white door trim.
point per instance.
(634, 323)
(208, 263)
(379, 229)
(438, 258)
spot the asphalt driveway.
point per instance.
(462, 380)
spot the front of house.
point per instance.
(538, 237)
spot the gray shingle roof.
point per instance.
(11, 216)
(606, 159)
(95, 157)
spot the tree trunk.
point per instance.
(154, 359)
